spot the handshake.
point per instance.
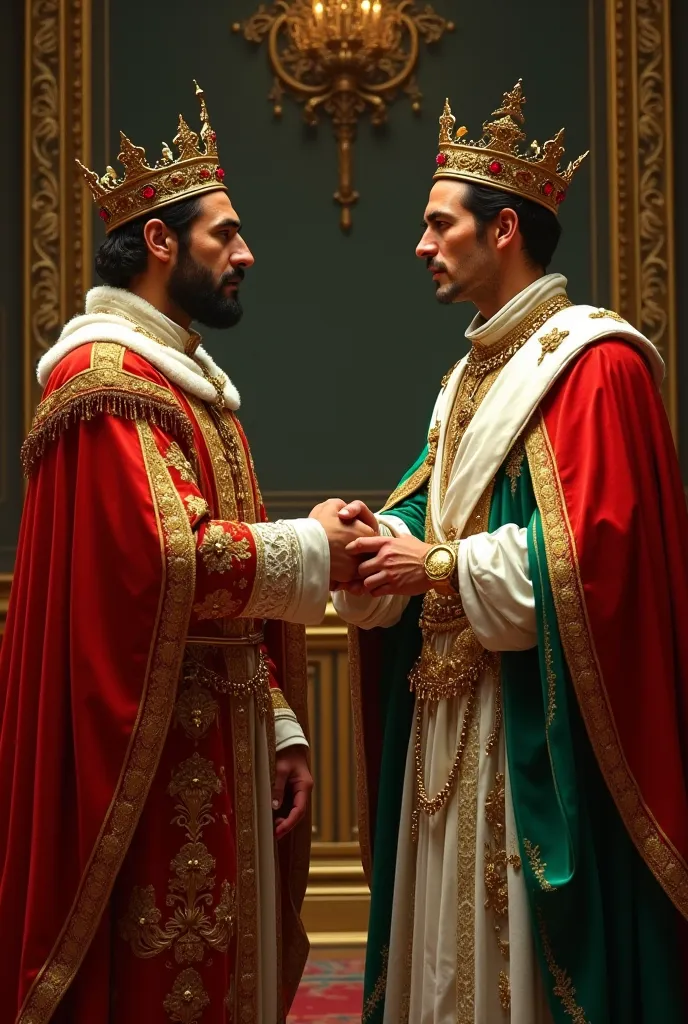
(363, 562)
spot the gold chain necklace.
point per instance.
(483, 360)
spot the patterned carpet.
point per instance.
(332, 989)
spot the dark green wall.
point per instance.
(11, 489)
(342, 346)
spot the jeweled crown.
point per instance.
(496, 159)
(143, 188)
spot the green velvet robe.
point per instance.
(602, 925)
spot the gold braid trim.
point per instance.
(178, 554)
(664, 861)
(99, 391)
(378, 993)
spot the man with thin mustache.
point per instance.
(524, 810)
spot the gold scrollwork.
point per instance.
(641, 175)
(189, 929)
(57, 217)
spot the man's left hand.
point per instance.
(293, 774)
(395, 565)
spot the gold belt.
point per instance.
(235, 684)
(250, 640)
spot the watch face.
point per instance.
(439, 564)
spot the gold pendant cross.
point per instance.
(551, 342)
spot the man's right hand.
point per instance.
(343, 567)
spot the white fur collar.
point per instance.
(168, 356)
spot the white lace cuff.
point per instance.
(293, 571)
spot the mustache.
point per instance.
(232, 277)
(434, 264)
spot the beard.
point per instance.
(193, 288)
(444, 293)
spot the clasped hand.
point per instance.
(362, 561)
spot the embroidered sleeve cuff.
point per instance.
(292, 579)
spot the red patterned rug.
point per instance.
(331, 991)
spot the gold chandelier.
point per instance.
(344, 58)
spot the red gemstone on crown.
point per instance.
(204, 173)
(213, 136)
(495, 167)
(104, 214)
(219, 174)
(177, 179)
(548, 188)
(525, 177)
(441, 159)
(561, 196)
(148, 192)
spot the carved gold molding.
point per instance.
(641, 176)
(57, 217)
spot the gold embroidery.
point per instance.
(247, 884)
(436, 677)
(433, 441)
(607, 314)
(485, 359)
(667, 865)
(497, 861)
(278, 699)
(148, 738)
(189, 929)
(563, 986)
(514, 463)
(467, 827)
(217, 605)
(538, 867)
(196, 711)
(551, 342)
(379, 989)
(236, 681)
(409, 486)
(504, 991)
(104, 390)
(197, 506)
(219, 548)
(448, 375)
(188, 999)
(224, 482)
(176, 459)
(107, 354)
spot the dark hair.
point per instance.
(124, 254)
(539, 227)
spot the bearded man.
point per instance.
(152, 680)
(526, 808)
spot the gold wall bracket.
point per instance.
(344, 58)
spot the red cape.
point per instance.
(614, 515)
(102, 601)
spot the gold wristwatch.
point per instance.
(440, 563)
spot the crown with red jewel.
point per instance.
(496, 159)
(143, 188)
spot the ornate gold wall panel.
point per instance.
(641, 175)
(57, 214)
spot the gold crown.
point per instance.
(496, 160)
(143, 188)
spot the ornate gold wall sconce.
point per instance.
(344, 58)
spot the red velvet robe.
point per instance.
(128, 876)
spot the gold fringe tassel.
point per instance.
(112, 403)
